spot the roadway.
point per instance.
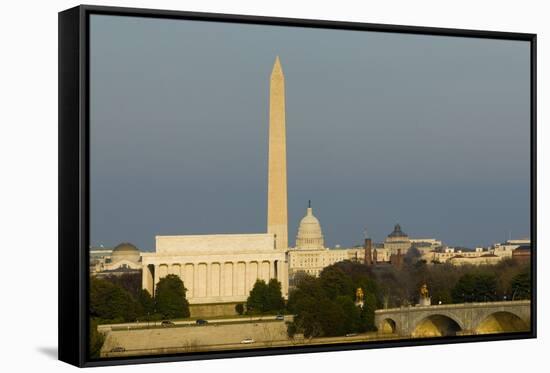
(104, 328)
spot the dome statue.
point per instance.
(310, 235)
(125, 251)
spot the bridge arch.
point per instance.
(387, 326)
(501, 322)
(436, 325)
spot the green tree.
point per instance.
(131, 282)
(475, 287)
(521, 286)
(265, 298)
(308, 286)
(441, 295)
(239, 308)
(351, 320)
(319, 314)
(170, 298)
(96, 339)
(257, 300)
(275, 300)
(111, 302)
(331, 318)
(146, 304)
(335, 282)
(367, 313)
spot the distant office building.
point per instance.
(522, 254)
(98, 257)
(480, 256)
(483, 259)
(506, 249)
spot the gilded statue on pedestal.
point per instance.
(359, 295)
(424, 291)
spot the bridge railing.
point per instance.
(508, 303)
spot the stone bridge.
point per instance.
(455, 319)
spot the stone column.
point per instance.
(208, 279)
(282, 276)
(147, 279)
(274, 270)
(175, 269)
(246, 275)
(221, 283)
(157, 275)
(189, 275)
(234, 278)
(195, 279)
(284, 281)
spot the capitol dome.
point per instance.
(310, 235)
(125, 251)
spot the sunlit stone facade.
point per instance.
(218, 268)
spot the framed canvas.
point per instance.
(233, 186)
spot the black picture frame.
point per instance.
(74, 180)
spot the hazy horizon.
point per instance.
(429, 132)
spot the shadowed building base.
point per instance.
(213, 310)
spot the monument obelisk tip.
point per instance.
(277, 68)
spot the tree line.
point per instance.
(322, 306)
(117, 299)
(325, 306)
(447, 283)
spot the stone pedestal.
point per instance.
(425, 301)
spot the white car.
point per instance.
(247, 341)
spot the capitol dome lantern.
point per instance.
(310, 235)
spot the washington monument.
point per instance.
(220, 270)
(277, 216)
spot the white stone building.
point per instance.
(505, 249)
(218, 268)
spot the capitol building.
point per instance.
(310, 255)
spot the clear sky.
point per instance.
(430, 132)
